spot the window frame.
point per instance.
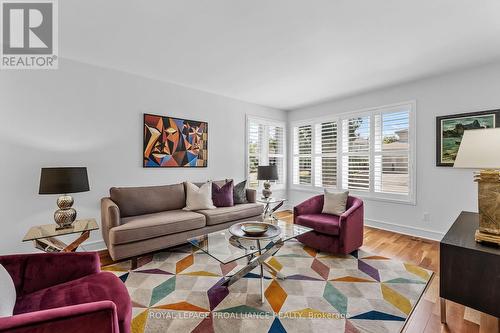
(264, 149)
(319, 154)
(297, 155)
(410, 198)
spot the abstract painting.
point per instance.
(450, 130)
(174, 142)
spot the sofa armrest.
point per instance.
(312, 205)
(352, 223)
(354, 204)
(82, 318)
(32, 272)
(251, 195)
(110, 217)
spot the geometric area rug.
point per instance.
(178, 291)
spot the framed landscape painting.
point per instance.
(450, 129)
(174, 142)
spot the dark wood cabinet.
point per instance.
(469, 271)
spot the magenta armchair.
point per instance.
(65, 292)
(333, 234)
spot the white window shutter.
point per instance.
(325, 149)
(266, 145)
(369, 152)
(276, 148)
(392, 162)
(302, 160)
(356, 153)
(254, 135)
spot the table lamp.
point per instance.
(267, 173)
(63, 181)
(480, 149)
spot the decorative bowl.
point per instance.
(254, 228)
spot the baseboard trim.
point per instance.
(405, 230)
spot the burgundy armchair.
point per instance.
(65, 292)
(333, 234)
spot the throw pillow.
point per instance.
(222, 196)
(199, 197)
(7, 293)
(240, 193)
(335, 202)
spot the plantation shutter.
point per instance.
(356, 153)
(302, 160)
(266, 145)
(392, 147)
(255, 136)
(325, 151)
(276, 147)
(370, 152)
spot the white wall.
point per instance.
(90, 116)
(441, 192)
(83, 115)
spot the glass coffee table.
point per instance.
(226, 248)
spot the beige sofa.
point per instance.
(139, 220)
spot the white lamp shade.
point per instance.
(479, 149)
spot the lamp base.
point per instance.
(488, 203)
(266, 192)
(65, 215)
(486, 237)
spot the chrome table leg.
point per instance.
(261, 274)
(267, 252)
(273, 271)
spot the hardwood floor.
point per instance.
(425, 253)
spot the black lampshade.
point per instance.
(267, 172)
(63, 180)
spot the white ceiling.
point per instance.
(281, 53)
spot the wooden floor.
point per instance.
(425, 253)
(426, 316)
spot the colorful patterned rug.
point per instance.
(178, 291)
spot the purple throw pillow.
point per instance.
(222, 196)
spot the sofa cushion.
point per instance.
(134, 201)
(198, 197)
(334, 202)
(222, 196)
(240, 193)
(102, 286)
(324, 223)
(147, 226)
(7, 293)
(218, 182)
(236, 212)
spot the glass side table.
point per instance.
(269, 210)
(44, 237)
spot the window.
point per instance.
(265, 146)
(302, 155)
(392, 152)
(370, 153)
(325, 154)
(356, 153)
(254, 135)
